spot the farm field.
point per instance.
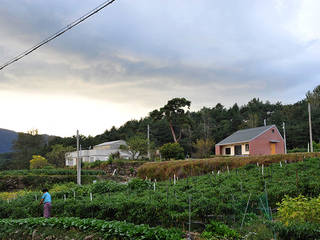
(232, 204)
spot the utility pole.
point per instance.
(284, 137)
(310, 127)
(78, 161)
(148, 135)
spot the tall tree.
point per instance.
(312, 98)
(57, 154)
(173, 112)
(26, 145)
(137, 145)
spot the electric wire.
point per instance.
(57, 34)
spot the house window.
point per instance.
(70, 162)
(272, 130)
(247, 147)
(228, 151)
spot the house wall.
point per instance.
(221, 150)
(218, 150)
(262, 146)
(94, 155)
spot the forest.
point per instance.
(186, 127)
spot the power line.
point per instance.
(57, 34)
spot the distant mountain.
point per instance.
(6, 139)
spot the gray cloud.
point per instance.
(148, 51)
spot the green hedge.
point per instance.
(196, 167)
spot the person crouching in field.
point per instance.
(46, 200)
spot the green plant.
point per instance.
(172, 151)
(297, 230)
(299, 209)
(107, 186)
(203, 147)
(138, 184)
(38, 161)
(216, 230)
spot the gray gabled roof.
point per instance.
(118, 142)
(245, 135)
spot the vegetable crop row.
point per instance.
(221, 197)
(108, 229)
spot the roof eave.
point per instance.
(231, 143)
(249, 140)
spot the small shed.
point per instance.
(265, 140)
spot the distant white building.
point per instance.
(99, 152)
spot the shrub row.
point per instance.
(8, 183)
(186, 168)
(108, 230)
(57, 171)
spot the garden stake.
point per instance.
(234, 214)
(167, 191)
(189, 230)
(245, 211)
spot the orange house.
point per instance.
(265, 140)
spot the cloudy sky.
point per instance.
(133, 56)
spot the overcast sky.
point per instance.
(133, 56)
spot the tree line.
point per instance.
(192, 130)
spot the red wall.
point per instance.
(218, 150)
(261, 144)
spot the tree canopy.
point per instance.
(174, 113)
(174, 122)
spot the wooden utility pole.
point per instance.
(78, 161)
(310, 126)
(284, 137)
(148, 134)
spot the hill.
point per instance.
(6, 139)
